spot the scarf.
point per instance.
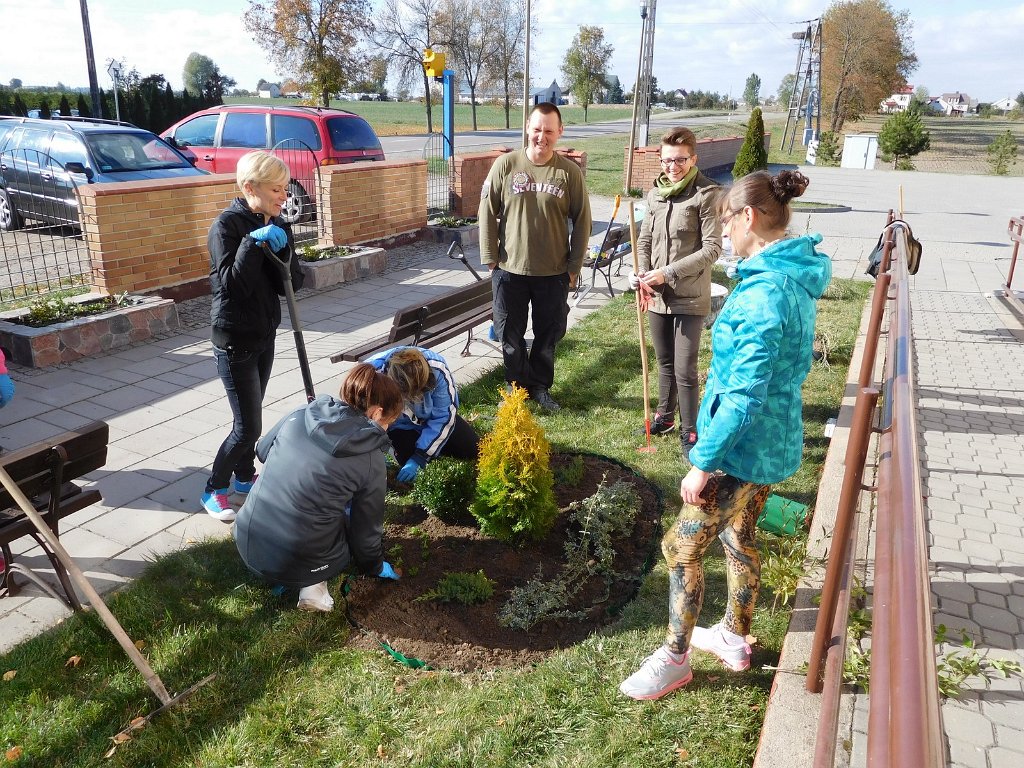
(667, 189)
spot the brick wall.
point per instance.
(373, 200)
(470, 172)
(712, 154)
(144, 235)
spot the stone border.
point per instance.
(465, 236)
(361, 262)
(81, 337)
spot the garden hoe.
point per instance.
(293, 315)
(152, 679)
(642, 300)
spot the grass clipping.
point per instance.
(514, 498)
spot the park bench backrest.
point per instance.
(448, 310)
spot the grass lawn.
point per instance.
(958, 144)
(289, 692)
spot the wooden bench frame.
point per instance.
(43, 472)
(432, 322)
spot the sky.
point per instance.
(960, 47)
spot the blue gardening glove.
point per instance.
(6, 389)
(387, 572)
(271, 234)
(412, 468)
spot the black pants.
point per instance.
(676, 343)
(245, 376)
(461, 444)
(514, 295)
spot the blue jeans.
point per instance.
(245, 376)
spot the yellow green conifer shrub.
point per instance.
(514, 499)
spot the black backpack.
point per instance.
(914, 249)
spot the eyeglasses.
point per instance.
(676, 160)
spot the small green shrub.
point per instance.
(452, 222)
(830, 151)
(752, 156)
(310, 252)
(514, 498)
(465, 588)
(571, 474)
(589, 551)
(445, 488)
(905, 164)
(1002, 153)
(52, 310)
(782, 566)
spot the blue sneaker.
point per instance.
(243, 486)
(217, 505)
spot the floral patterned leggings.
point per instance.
(730, 512)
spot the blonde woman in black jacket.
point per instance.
(680, 239)
(245, 313)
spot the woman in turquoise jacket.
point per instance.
(749, 424)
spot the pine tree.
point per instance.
(753, 156)
(514, 497)
(903, 135)
(65, 106)
(83, 108)
(19, 108)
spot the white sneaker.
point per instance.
(658, 675)
(731, 649)
(316, 598)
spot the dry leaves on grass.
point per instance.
(14, 753)
(682, 753)
(73, 661)
(125, 735)
(10, 675)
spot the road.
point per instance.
(478, 141)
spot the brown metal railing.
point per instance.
(1014, 230)
(904, 726)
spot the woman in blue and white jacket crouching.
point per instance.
(429, 426)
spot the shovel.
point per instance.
(293, 314)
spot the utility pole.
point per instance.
(90, 61)
(648, 59)
(637, 85)
(526, 75)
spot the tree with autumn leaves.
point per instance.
(313, 39)
(867, 54)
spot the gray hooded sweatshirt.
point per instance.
(318, 461)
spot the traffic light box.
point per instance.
(433, 64)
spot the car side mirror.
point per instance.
(79, 168)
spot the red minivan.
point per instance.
(304, 137)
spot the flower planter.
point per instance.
(81, 337)
(465, 236)
(360, 262)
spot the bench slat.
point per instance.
(30, 467)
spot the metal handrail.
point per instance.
(904, 721)
(1015, 229)
(904, 718)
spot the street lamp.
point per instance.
(114, 69)
(636, 93)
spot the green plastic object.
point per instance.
(783, 517)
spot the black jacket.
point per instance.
(293, 528)
(244, 282)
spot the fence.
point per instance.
(42, 251)
(904, 721)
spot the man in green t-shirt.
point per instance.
(526, 204)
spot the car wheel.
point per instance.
(10, 219)
(298, 208)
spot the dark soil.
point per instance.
(468, 637)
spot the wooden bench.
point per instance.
(43, 472)
(431, 322)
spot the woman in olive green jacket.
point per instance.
(680, 239)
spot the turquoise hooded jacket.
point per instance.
(750, 423)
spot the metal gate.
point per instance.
(304, 207)
(440, 181)
(42, 251)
